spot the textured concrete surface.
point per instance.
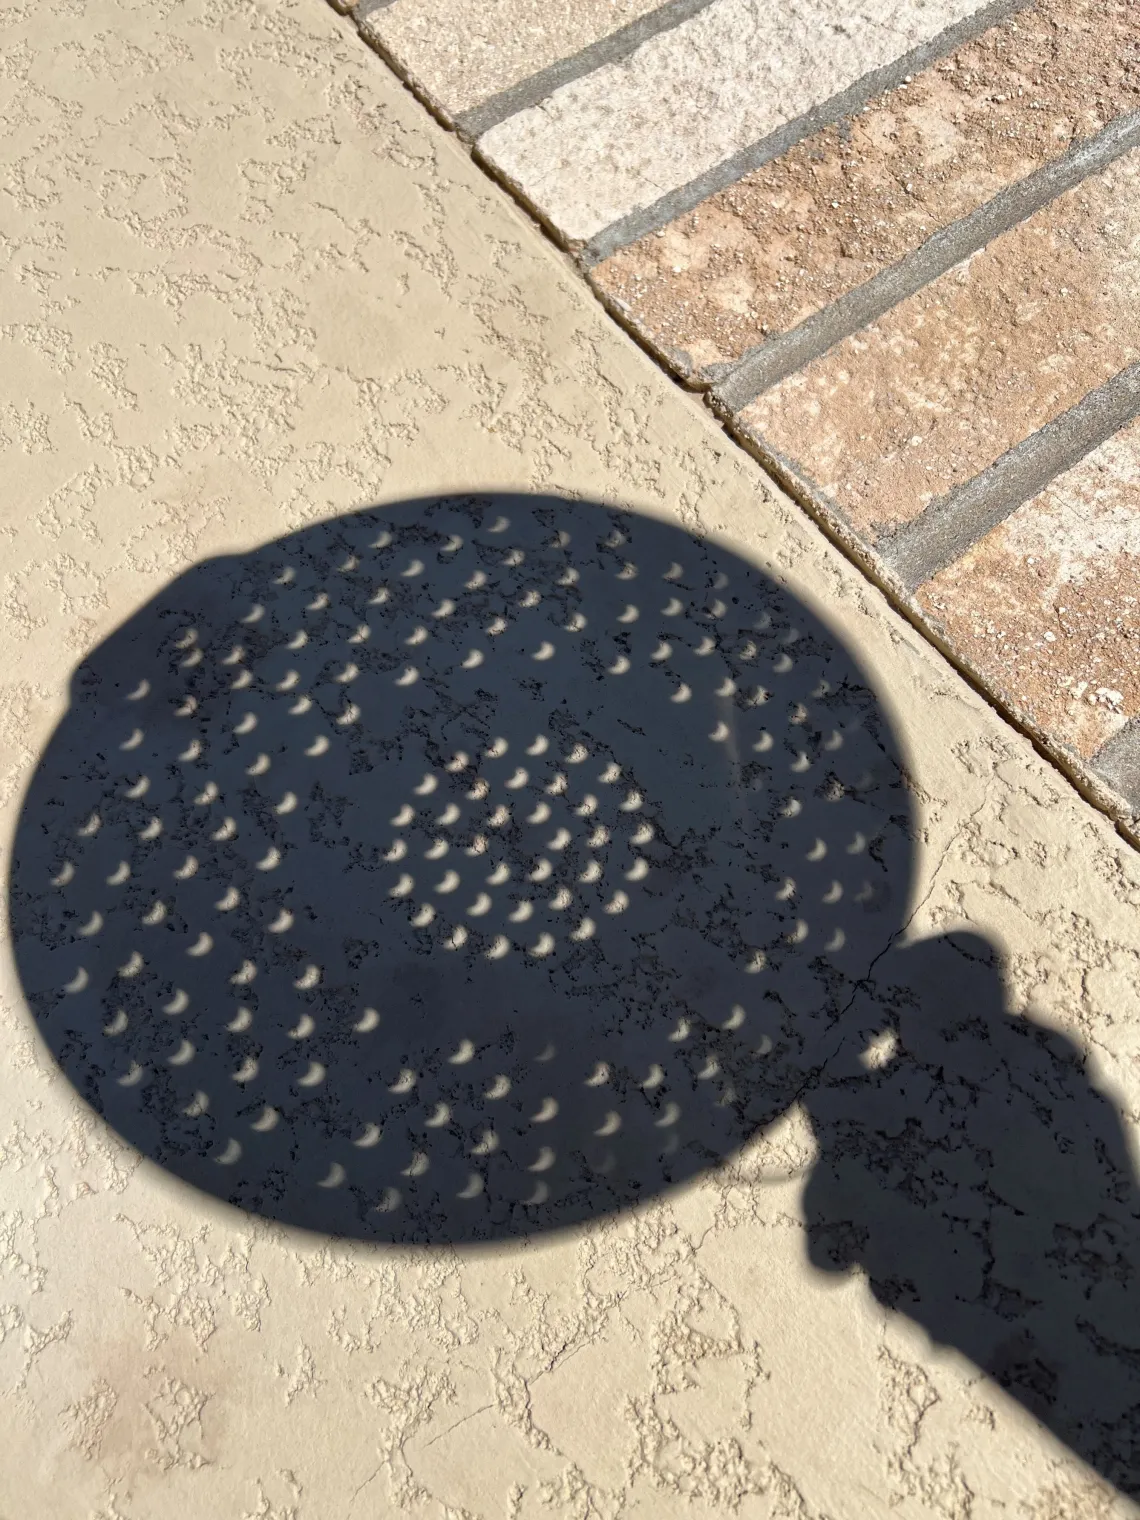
(631, 131)
(1049, 603)
(463, 58)
(248, 286)
(952, 378)
(847, 202)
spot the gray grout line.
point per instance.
(946, 528)
(638, 224)
(611, 49)
(772, 362)
(1118, 761)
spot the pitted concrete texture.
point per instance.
(249, 286)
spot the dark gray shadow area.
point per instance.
(459, 869)
(473, 867)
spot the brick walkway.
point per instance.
(900, 253)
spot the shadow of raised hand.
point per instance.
(984, 1186)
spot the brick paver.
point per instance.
(900, 247)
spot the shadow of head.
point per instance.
(457, 870)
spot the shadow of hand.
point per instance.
(972, 1171)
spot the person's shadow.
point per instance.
(473, 867)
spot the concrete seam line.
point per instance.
(767, 364)
(1118, 761)
(638, 224)
(951, 524)
(612, 49)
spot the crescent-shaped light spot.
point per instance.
(139, 692)
(682, 694)
(90, 828)
(198, 1105)
(367, 1021)
(389, 1201)
(119, 875)
(540, 815)
(178, 1003)
(542, 871)
(93, 925)
(268, 1119)
(487, 1144)
(670, 1116)
(133, 966)
(246, 1071)
(706, 646)
(438, 850)
(247, 724)
(462, 1054)
(708, 1070)
(836, 942)
(499, 875)
(319, 745)
(561, 899)
(133, 1076)
(763, 744)
(585, 930)
(439, 1115)
(456, 939)
(117, 1024)
(298, 641)
(226, 830)
(499, 1087)
(189, 705)
(655, 1078)
(544, 1161)
(336, 1176)
(182, 1055)
(192, 659)
(543, 946)
(308, 979)
(599, 1076)
(630, 615)
(404, 1082)
(287, 804)
(473, 1188)
(313, 1077)
(681, 1032)
(152, 830)
(618, 903)
(270, 860)
(426, 786)
(547, 1112)
(727, 688)
(481, 905)
(445, 608)
(720, 733)
(78, 982)
(231, 1154)
(349, 673)
(451, 814)
(283, 921)
(369, 1137)
(417, 1166)
(539, 1196)
(524, 911)
(736, 1017)
(303, 1028)
(241, 1020)
(361, 636)
(319, 602)
(243, 679)
(65, 875)
(415, 567)
(817, 851)
(254, 615)
(673, 608)
(244, 974)
(638, 871)
(857, 845)
(498, 947)
(423, 916)
(545, 651)
(662, 652)
(619, 667)
(408, 678)
(599, 837)
(633, 801)
(134, 741)
(560, 840)
(519, 779)
(396, 851)
(230, 901)
(405, 816)
(350, 715)
(609, 1125)
(262, 764)
(202, 945)
(300, 707)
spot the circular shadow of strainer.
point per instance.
(458, 869)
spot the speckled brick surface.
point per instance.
(250, 288)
